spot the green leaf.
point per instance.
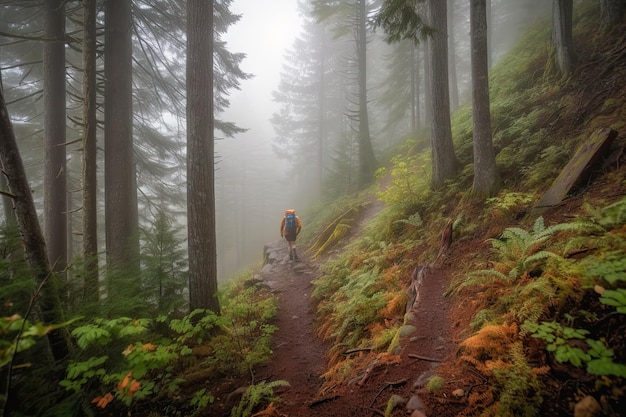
(605, 366)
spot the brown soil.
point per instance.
(299, 355)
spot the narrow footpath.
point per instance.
(299, 355)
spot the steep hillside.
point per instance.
(535, 303)
(432, 303)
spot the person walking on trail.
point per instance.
(290, 228)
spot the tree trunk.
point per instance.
(485, 177)
(200, 158)
(367, 160)
(612, 11)
(562, 15)
(321, 100)
(427, 87)
(121, 216)
(489, 35)
(47, 305)
(444, 160)
(55, 189)
(415, 121)
(7, 204)
(454, 85)
(89, 165)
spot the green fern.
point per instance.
(521, 251)
(414, 220)
(256, 395)
(519, 388)
(509, 202)
(481, 318)
(613, 215)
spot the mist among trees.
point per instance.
(133, 196)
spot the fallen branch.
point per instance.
(387, 385)
(323, 401)
(349, 351)
(424, 358)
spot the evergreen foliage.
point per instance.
(16, 283)
(164, 271)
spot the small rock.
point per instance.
(407, 329)
(459, 392)
(422, 380)
(415, 403)
(417, 413)
(587, 407)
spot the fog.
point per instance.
(252, 184)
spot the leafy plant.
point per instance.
(135, 374)
(509, 202)
(518, 384)
(596, 357)
(123, 362)
(410, 173)
(611, 267)
(256, 395)
(201, 399)
(246, 336)
(18, 334)
(614, 214)
(522, 251)
(615, 298)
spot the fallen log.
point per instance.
(586, 157)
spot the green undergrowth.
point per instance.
(127, 364)
(530, 280)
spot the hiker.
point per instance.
(290, 227)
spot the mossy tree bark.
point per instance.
(47, 306)
(485, 176)
(200, 158)
(445, 164)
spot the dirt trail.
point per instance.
(299, 355)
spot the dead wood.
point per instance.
(587, 155)
(323, 401)
(424, 358)
(349, 351)
(387, 385)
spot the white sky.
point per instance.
(265, 31)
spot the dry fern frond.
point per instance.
(542, 370)
(478, 400)
(490, 344)
(391, 275)
(333, 233)
(396, 305)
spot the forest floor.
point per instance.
(441, 324)
(299, 355)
